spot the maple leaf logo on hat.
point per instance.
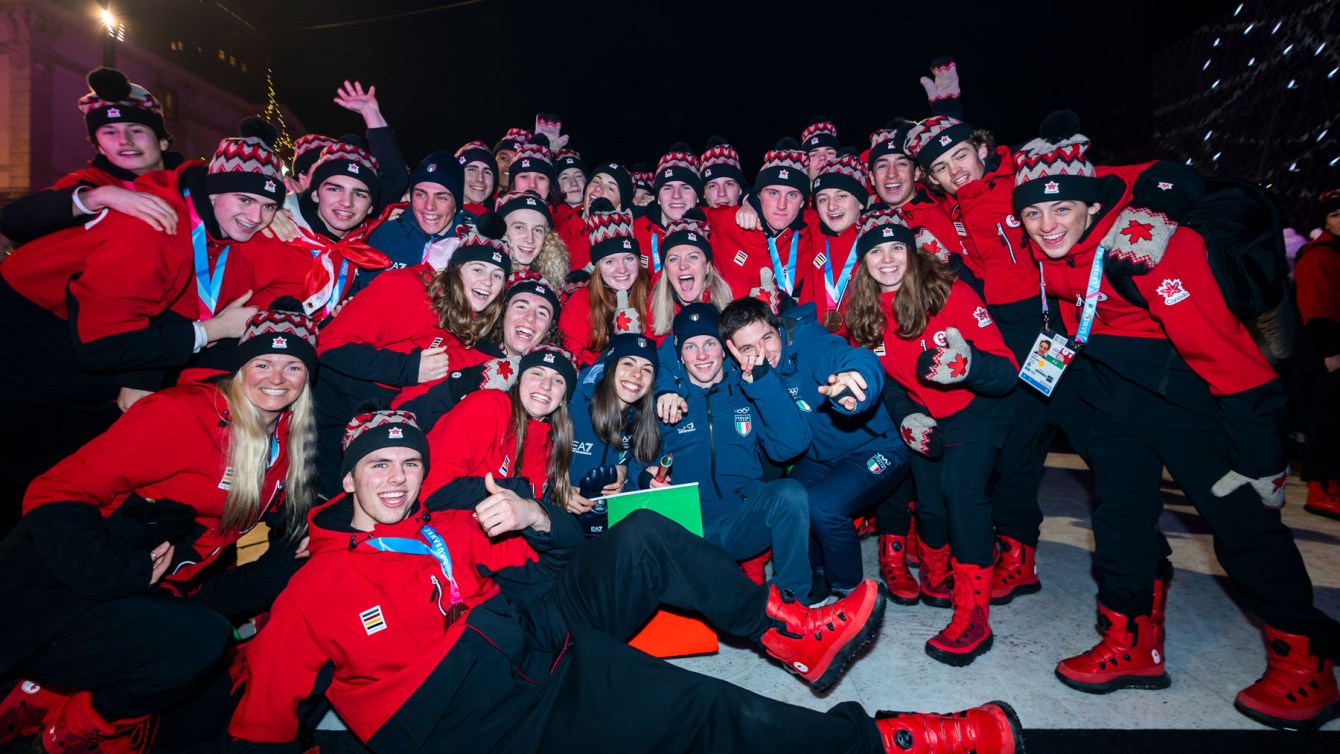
(113, 112)
(1164, 186)
(269, 185)
(549, 358)
(432, 167)
(279, 342)
(353, 168)
(1051, 187)
(783, 175)
(944, 140)
(395, 433)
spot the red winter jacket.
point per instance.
(995, 241)
(571, 228)
(375, 620)
(963, 310)
(821, 247)
(924, 212)
(171, 445)
(476, 438)
(1317, 277)
(651, 240)
(739, 254)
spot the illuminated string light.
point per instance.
(1322, 135)
(1251, 62)
(1320, 47)
(1239, 10)
(1278, 24)
(1208, 134)
(1249, 28)
(1287, 50)
(1207, 64)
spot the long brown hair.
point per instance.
(560, 445)
(446, 290)
(644, 436)
(923, 293)
(602, 303)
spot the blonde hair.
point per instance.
(552, 263)
(664, 306)
(248, 455)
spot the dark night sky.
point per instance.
(630, 78)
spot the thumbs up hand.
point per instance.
(505, 511)
(949, 363)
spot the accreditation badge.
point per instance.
(1047, 361)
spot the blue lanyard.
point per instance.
(437, 547)
(207, 286)
(1091, 297)
(835, 291)
(341, 280)
(274, 449)
(655, 253)
(785, 275)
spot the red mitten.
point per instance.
(766, 291)
(1137, 241)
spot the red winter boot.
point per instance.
(968, 634)
(25, 709)
(937, 586)
(990, 728)
(1323, 499)
(79, 728)
(1016, 572)
(753, 567)
(902, 584)
(913, 541)
(1158, 613)
(1130, 656)
(1298, 691)
(817, 643)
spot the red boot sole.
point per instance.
(1017, 591)
(1149, 682)
(1326, 715)
(959, 660)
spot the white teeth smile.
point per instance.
(540, 398)
(246, 225)
(274, 391)
(522, 332)
(392, 497)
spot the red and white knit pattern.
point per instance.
(786, 159)
(723, 154)
(365, 422)
(849, 165)
(530, 156)
(690, 226)
(685, 160)
(282, 324)
(604, 226)
(246, 154)
(1039, 158)
(872, 221)
(349, 153)
(139, 98)
(816, 129)
(927, 130)
(309, 142)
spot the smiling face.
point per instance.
(571, 184)
(722, 192)
(241, 216)
(633, 377)
(384, 484)
(482, 283)
(675, 198)
(272, 382)
(887, 263)
(1333, 222)
(894, 176)
(525, 235)
(961, 165)
(781, 205)
(541, 390)
(131, 146)
(525, 323)
(343, 203)
(1055, 227)
(759, 337)
(504, 158)
(704, 359)
(600, 185)
(686, 268)
(619, 271)
(837, 209)
(433, 206)
(479, 182)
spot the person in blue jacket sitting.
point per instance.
(614, 428)
(732, 415)
(855, 458)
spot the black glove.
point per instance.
(594, 482)
(162, 521)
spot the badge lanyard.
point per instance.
(207, 286)
(655, 254)
(274, 449)
(337, 291)
(786, 275)
(835, 291)
(1090, 296)
(437, 548)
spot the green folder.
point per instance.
(678, 502)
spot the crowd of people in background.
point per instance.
(423, 379)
